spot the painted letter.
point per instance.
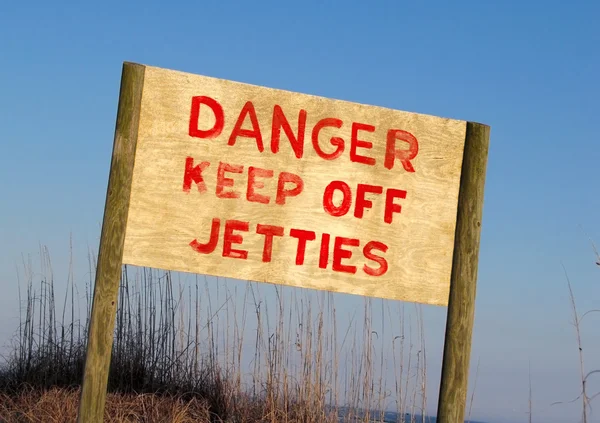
(324, 253)
(339, 253)
(210, 246)
(282, 193)
(194, 174)
(355, 142)
(390, 206)
(253, 184)
(280, 121)
(336, 141)
(328, 205)
(223, 182)
(383, 264)
(248, 109)
(230, 238)
(195, 115)
(361, 201)
(405, 156)
(268, 231)
(302, 236)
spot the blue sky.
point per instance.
(528, 69)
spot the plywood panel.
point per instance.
(165, 218)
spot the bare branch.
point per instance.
(567, 402)
(530, 395)
(593, 248)
(591, 373)
(474, 386)
(588, 312)
(583, 395)
(596, 251)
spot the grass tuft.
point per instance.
(198, 351)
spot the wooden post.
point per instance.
(461, 304)
(110, 254)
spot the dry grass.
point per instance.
(60, 405)
(183, 352)
(262, 354)
(584, 396)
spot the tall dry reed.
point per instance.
(251, 352)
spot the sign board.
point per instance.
(254, 183)
(229, 179)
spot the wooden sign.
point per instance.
(222, 178)
(260, 184)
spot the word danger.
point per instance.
(400, 145)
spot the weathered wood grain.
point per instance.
(461, 306)
(163, 219)
(109, 266)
